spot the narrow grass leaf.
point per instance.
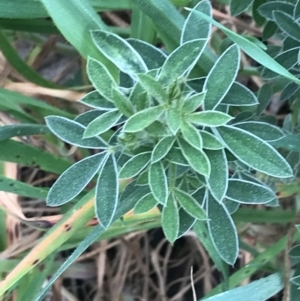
(107, 191)
(186, 222)
(102, 124)
(142, 119)
(190, 134)
(193, 103)
(153, 57)
(153, 88)
(172, 119)
(218, 179)
(122, 103)
(252, 50)
(239, 95)
(145, 204)
(120, 52)
(263, 130)
(194, 27)
(267, 9)
(175, 156)
(210, 141)
(221, 77)
(74, 180)
(162, 148)
(72, 132)
(248, 192)
(170, 219)
(239, 6)
(196, 158)
(287, 24)
(222, 231)
(22, 189)
(181, 61)
(16, 130)
(190, 205)
(255, 152)
(209, 118)
(100, 78)
(135, 165)
(95, 100)
(158, 182)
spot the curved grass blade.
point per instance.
(9, 131)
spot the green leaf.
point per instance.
(267, 9)
(190, 134)
(158, 129)
(186, 222)
(145, 204)
(218, 179)
(172, 119)
(297, 10)
(221, 77)
(102, 124)
(122, 103)
(239, 95)
(258, 19)
(252, 50)
(100, 78)
(95, 100)
(290, 142)
(153, 57)
(265, 131)
(249, 192)
(162, 148)
(22, 189)
(120, 52)
(254, 152)
(222, 231)
(107, 191)
(158, 182)
(231, 206)
(153, 88)
(72, 132)
(181, 61)
(170, 219)
(175, 156)
(262, 289)
(135, 165)
(142, 119)
(74, 180)
(210, 141)
(287, 24)
(194, 27)
(13, 151)
(209, 118)
(264, 95)
(16, 130)
(193, 103)
(87, 117)
(197, 159)
(239, 6)
(190, 205)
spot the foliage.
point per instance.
(172, 130)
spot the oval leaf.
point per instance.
(107, 191)
(102, 124)
(254, 152)
(196, 158)
(72, 181)
(193, 103)
(95, 100)
(248, 192)
(162, 148)
(122, 103)
(145, 204)
(287, 24)
(170, 219)
(222, 231)
(172, 118)
(72, 132)
(190, 205)
(186, 222)
(135, 165)
(218, 179)
(221, 77)
(210, 141)
(142, 119)
(158, 182)
(175, 156)
(209, 118)
(191, 134)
